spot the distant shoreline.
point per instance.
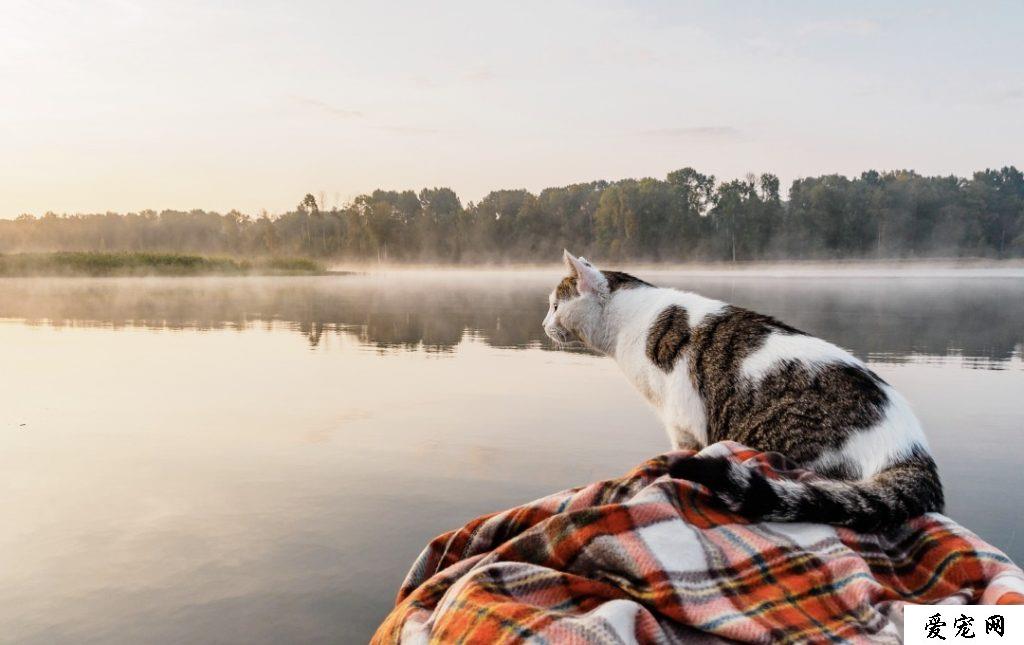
(722, 265)
(119, 264)
(930, 267)
(97, 264)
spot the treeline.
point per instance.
(688, 216)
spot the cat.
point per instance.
(717, 372)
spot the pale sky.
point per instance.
(123, 105)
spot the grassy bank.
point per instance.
(142, 264)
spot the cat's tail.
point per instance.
(906, 489)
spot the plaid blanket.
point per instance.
(652, 559)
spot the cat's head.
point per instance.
(575, 304)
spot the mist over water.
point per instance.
(881, 316)
(262, 458)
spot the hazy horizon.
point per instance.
(159, 105)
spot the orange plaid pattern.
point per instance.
(655, 559)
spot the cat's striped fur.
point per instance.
(714, 371)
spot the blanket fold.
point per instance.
(648, 558)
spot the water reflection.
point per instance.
(976, 320)
(269, 478)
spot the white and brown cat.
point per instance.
(715, 372)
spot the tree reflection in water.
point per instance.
(881, 319)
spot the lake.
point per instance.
(259, 460)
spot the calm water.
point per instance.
(259, 460)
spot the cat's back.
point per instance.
(639, 313)
(734, 343)
(761, 381)
(776, 388)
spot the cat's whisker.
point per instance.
(569, 344)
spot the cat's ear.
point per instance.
(570, 263)
(588, 278)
